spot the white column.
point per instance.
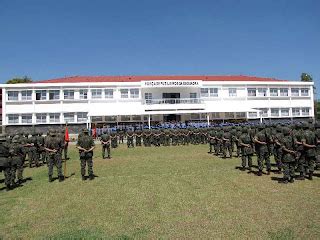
(208, 119)
(149, 122)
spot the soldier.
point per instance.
(317, 132)
(166, 138)
(66, 144)
(121, 136)
(138, 136)
(226, 141)
(245, 142)
(106, 142)
(41, 151)
(53, 146)
(278, 150)
(5, 163)
(211, 140)
(33, 150)
(114, 140)
(86, 145)
(16, 154)
(260, 140)
(156, 138)
(309, 144)
(300, 154)
(288, 159)
(236, 138)
(130, 139)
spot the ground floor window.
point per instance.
(26, 118)
(13, 118)
(54, 117)
(41, 118)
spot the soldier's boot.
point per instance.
(301, 177)
(20, 181)
(250, 169)
(268, 172)
(83, 178)
(50, 179)
(243, 168)
(91, 177)
(291, 180)
(102, 156)
(61, 178)
(109, 157)
(284, 181)
(310, 175)
(260, 173)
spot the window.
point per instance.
(68, 94)
(295, 112)
(108, 93)
(68, 117)
(251, 92)
(111, 118)
(26, 95)
(263, 112)
(262, 92)
(83, 93)
(124, 93)
(274, 112)
(13, 118)
(134, 93)
(13, 95)
(54, 117)
(285, 112)
(136, 118)
(213, 92)
(253, 114)
(125, 118)
(273, 92)
(82, 116)
(41, 117)
(195, 116)
(304, 92)
(240, 115)
(232, 92)
(41, 95)
(229, 115)
(54, 94)
(284, 92)
(26, 118)
(193, 95)
(97, 119)
(145, 118)
(148, 98)
(305, 111)
(96, 93)
(204, 92)
(294, 91)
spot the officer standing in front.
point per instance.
(86, 145)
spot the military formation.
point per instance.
(295, 148)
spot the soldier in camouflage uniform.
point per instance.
(288, 159)
(261, 140)
(114, 140)
(121, 136)
(277, 138)
(317, 133)
(86, 145)
(245, 143)
(105, 142)
(226, 143)
(16, 154)
(138, 137)
(309, 143)
(41, 151)
(236, 138)
(166, 137)
(300, 154)
(130, 136)
(53, 146)
(211, 140)
(5, 163)
(156, 138)
(33, 154)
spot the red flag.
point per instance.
(66, 135)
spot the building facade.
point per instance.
(149, 99)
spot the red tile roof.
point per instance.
(78, 79)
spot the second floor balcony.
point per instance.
(173, 101)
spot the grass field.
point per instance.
(168, 192)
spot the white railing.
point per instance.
(173, 101)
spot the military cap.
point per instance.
(3, 138)
(85, 130)
(245, 130)
(286, 131)
(15, 139)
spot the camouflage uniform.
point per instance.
(16, 154)
(53, 145)
(211, 139)
(300, 153)
(262, 151)
(5, 163)
(86, 142)
(33, 153)
(114, 141)
(245, 142)
(309, 143)
(277, 147)
(130, 139)
(226, 141)
(105, 142)
(138, 138)
(288, 159)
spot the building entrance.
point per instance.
(171, 98)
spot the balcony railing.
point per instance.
(173, 101)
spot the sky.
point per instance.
(46, 39)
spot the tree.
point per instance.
(25, 79)
(305, 77)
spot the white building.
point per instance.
(112, 100)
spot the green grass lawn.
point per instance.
(167, 192)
